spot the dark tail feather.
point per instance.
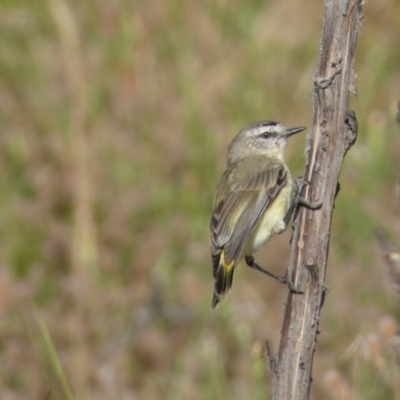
(223, 281)
(215, 301)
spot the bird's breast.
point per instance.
(273, 217)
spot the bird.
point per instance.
(253, 201)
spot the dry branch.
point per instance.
(333, 132)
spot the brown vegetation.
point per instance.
(115, 116)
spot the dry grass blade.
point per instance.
(84, 248)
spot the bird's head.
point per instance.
(261, 138)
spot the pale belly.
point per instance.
(271, 222)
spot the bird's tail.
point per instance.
(223, 279)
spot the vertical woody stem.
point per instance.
(333, 132)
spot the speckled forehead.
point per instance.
(270, 126)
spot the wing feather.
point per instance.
(245, 192)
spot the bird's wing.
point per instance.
(240, 201)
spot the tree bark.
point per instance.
(333, 132)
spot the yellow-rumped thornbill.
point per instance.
(252, 202)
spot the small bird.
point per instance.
(253, 200)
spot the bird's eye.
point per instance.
(266, 135)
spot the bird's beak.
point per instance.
(292, 131)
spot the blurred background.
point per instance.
(115, 118)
